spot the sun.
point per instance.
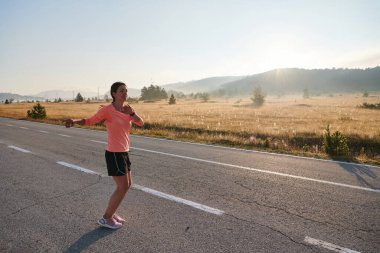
(281, 50)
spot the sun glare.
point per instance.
(281, 50)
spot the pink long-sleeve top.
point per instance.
(118, 126)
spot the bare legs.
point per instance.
(123, 183)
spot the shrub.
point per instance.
(266, 143)
(258, 97)
(38, 112)
(204, 96)
(172, 100)
(370, 106)
(335, 144)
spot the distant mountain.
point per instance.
(65, 94)
(287, 80)
(203, 85)
(16, 97)
(282, 81)
(275, 82)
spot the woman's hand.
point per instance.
(128, 109)
(136, 118)
(69, 123)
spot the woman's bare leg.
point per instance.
(123, 183)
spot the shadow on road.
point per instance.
(87, 239)
(362, 174)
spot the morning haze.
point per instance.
(248, 126)
(86, 46)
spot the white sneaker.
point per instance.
(109, 223)
(118, 218)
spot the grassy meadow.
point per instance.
(289, 124)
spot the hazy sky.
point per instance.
(89, 44)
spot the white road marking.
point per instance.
(73, 166)
(153, 192)
(9, 125)
(42, 131)
(102, 142)
(259, 152)
(262, 171)
(64, 135)
(328, 245)
(179, 200)
(24, 128)
(230, 148)
(20, 149)
(256, 170)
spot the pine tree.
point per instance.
(172, 100)
(258, 97)
(79, 98)
(38, 112)
(153, 93)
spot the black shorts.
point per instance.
(117, 163)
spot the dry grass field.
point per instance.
(288, 124)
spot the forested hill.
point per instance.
(282, 81)
(287, 81)
(202, 85)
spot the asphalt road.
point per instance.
(186, 197)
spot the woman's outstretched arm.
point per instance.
(72, 122)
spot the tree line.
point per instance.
(153, 92)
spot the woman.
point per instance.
(117, 118)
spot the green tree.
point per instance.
(9, 101)
(258, 97)
(204, 96)
(79, 98)
(172, 100)
(153, 92)
(38, 112)
(335, 144)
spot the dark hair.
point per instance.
(114, 88)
